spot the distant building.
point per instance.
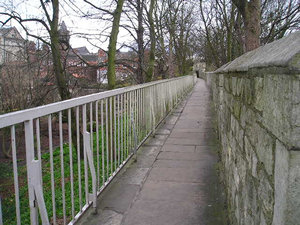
(11, 45)
(82, 51)
(122, 69)
(64, 36)
(79, 63)
(82, 64)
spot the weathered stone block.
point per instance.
(258, 93)
(248, 116)
(296, 90)
(293, 193)
(221, 95)
(247, 91)
(243, 116)
(263, 144)
(266, 195)
(221, 80)
(229, 101)
(251, 157)
(280, 183)
(295, 137)
(234, 85)
(232, 125)
(251, 192)
(240, 136)
(295, 120)
(237, 108)
(239, 86)
(242, 168)
(262, 219)
(277, 106)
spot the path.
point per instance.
(174, 181)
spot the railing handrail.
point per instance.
(21, 116)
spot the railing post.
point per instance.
(34, 176)
(89, 162)
(152, 110)
(133, 128)
(29, 158)
(90, 159)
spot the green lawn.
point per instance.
(8, 203)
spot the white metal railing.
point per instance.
(74, 148)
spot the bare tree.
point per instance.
(111, 73)
(161, 52)
(225, 34)
(151, 63)
(278, 18)
(134, 25)
(178, 24)
(250, 11)
(54, 40)
(25, 82)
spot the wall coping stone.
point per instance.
(284, 52)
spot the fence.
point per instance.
(74, 148)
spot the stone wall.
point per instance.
(257, 99)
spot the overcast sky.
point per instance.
(71, 12)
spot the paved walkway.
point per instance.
(174, 181)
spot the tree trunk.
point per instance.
(171, 71)
(140, 42)
(152, 40)
(239, 47)
(251, 15)
(252, 25)
(111, 72)
(59, 71)
(229, 34)
(208, 37)
(163, 57)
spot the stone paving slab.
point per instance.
(163, 131)
(178, 148)
(189, 141)
(165, 163)
(154, 212)
(172, 119)
(171, 191)
(168, 126)
(146, 156)
(108, 217)
(191, 156)
(159, 140)
(195, 116)
(193, 130)
(200, 135)
(190, 175)
(117, 191)
(134, 175)
(174, 181)
(189, 123)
